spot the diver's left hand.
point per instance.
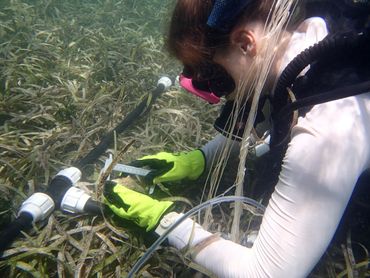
(173, 167)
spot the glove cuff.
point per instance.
(151, 221)
(197, 163)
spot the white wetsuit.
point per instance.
(328, 151)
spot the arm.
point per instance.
(328, 151)
(214, 149)
(192, 165)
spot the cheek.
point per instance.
(239, 69)
(232, 65)
(239, 66)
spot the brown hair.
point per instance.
(189, 38)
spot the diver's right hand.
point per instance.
(128, 204)
(171, 167)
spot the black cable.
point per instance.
(22, 223)
(94, 207)
(138, 111)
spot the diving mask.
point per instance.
(209, 82)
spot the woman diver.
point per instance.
(227, 48)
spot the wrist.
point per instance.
(188, 233)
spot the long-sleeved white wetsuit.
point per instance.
(328, 151)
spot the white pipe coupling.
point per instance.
(74, 200)
(263, 147)
(39, 205)
(165, 81)
(72, 173)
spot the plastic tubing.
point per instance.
(94, 207)
(211, 202)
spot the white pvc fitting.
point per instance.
(39, 205)
(74, 200)
(165, 81)
(263, 148)
(72, 173)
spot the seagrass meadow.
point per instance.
(70, 71)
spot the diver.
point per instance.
(323, 150)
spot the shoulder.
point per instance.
(313, 27)
(337, 117)
(335, 130)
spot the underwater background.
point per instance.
(70, 71)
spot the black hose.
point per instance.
(94, 207)
(22, 223)
(58, 186)
(104, 144)
(343, 92)
(329, 48)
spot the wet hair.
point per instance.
(192, 42)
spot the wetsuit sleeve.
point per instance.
(214, 148)
(328, 151)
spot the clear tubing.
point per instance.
(211, 202)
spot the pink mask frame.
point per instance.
(187, 84)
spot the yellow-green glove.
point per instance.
(171, 167)
(145, 211)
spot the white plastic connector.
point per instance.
(74, 200)
(72, 173)
(165, 81)
(263, 148)
(166, 222)
(251, 238)
(39, 205)
(186, 233)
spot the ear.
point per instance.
(245, 40)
